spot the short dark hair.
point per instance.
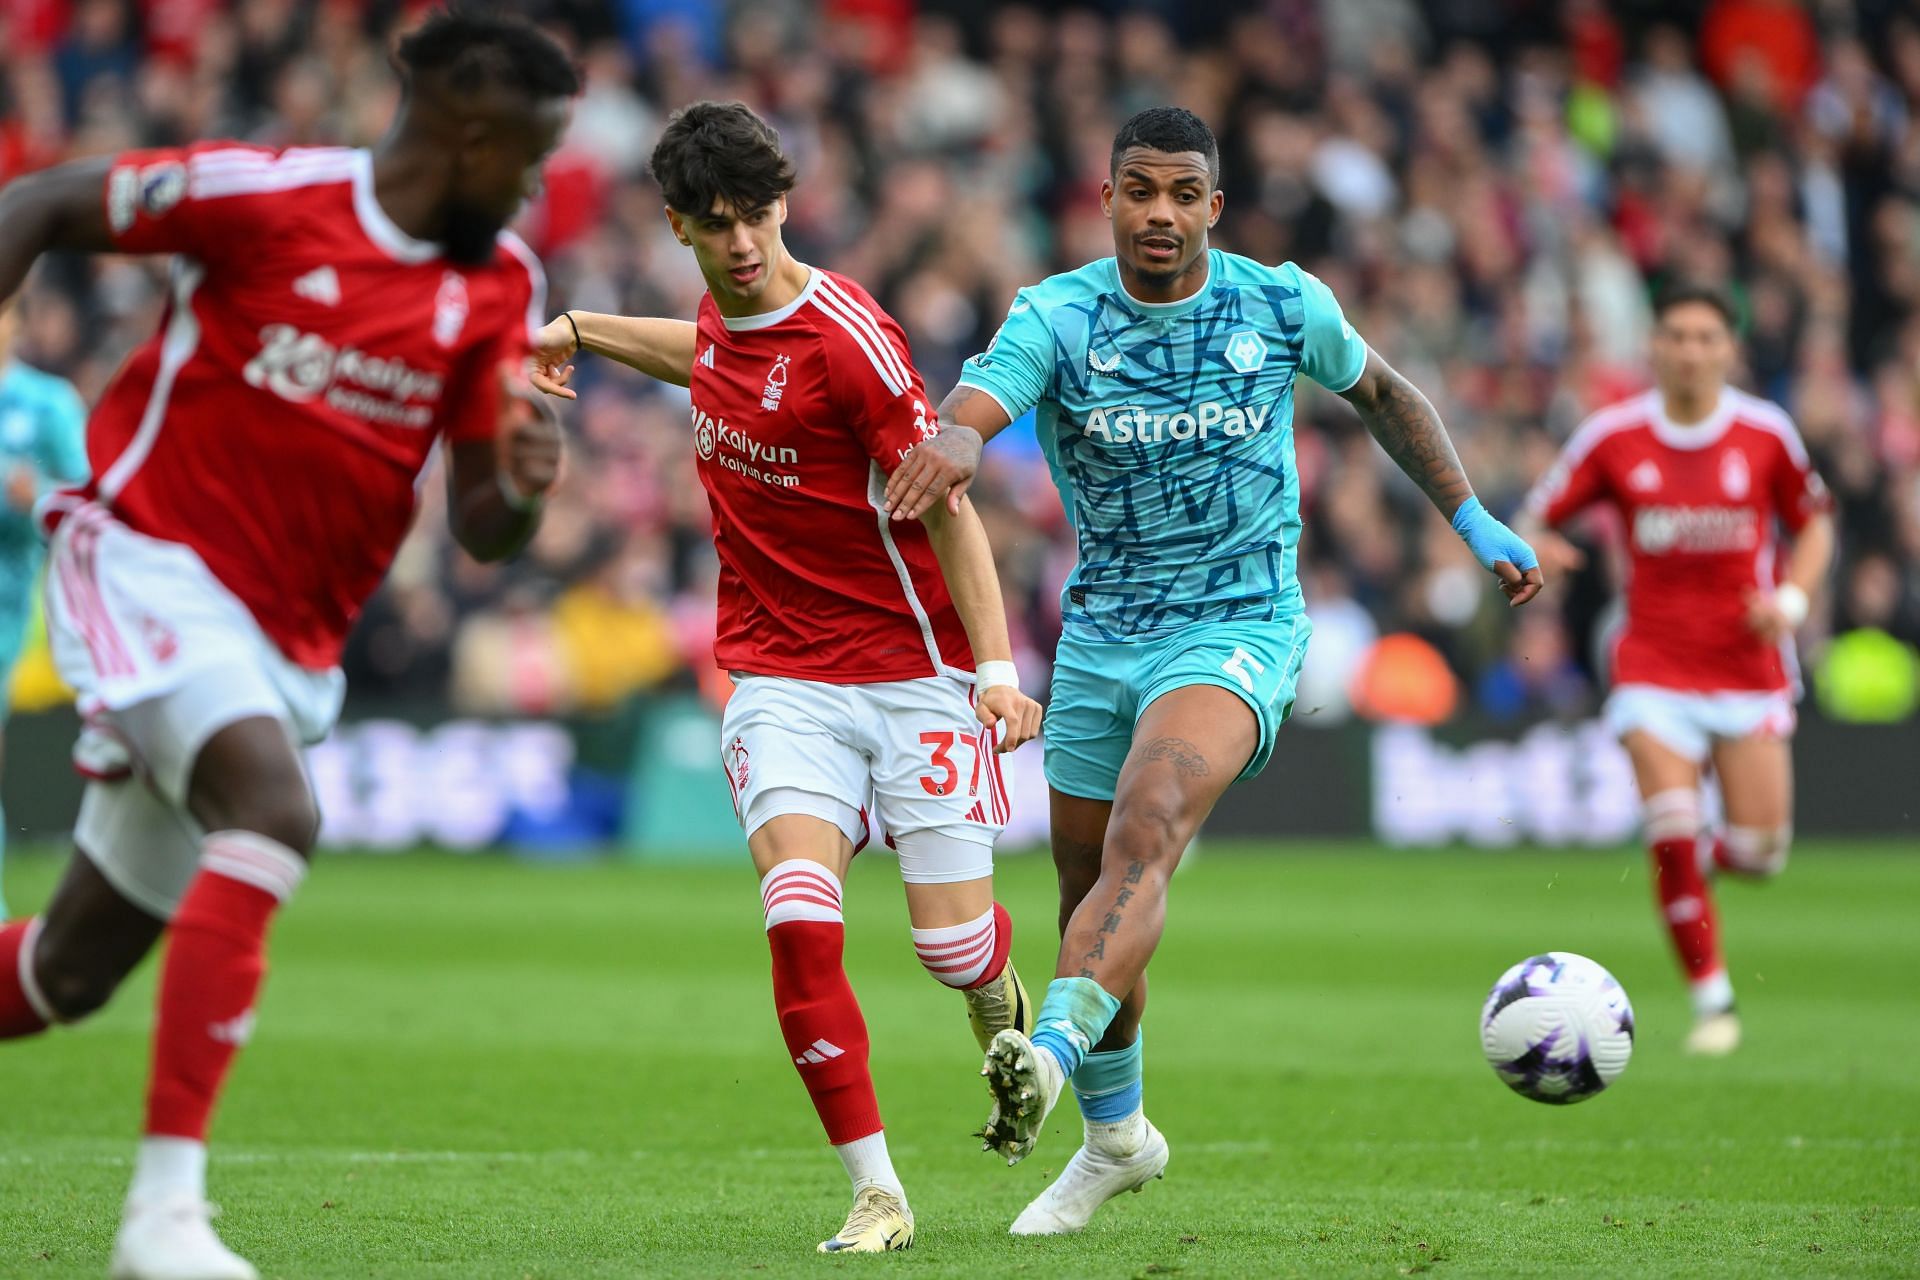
(473, 49)
(720, 152)
(1169, 129)
(1680, 293)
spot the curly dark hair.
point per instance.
(720, 153)
(1169, 129)
(473, 48)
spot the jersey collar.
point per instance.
(381, 229)
(767, 319)
(1166, 310)
(1696, 435)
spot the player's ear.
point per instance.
(780, 209)
(1216, 202)
(1106, 198)
(679, 231)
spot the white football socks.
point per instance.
(1712, 994)
(169, 1167)
(1121, 1138)
(868, 1164)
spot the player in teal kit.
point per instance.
(1162, 380)
(42, 443)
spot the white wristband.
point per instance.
(517, 500)
(989, 675)
(1792, 603)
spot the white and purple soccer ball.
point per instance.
(1557, 1028)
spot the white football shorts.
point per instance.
(1690, 723)
(162, 657)
(911, 752)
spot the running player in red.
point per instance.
(335, 314)
(1704, 671)
(852, 640)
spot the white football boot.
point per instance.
(1025, 1083)
(1715, 1036)
(880, 1223)
(170, 1237)
(1091, 1179)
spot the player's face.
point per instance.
(737, 249)
(1693, 351)
(1161, 204)
(498, 171)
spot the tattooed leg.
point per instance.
(1188, 746)
(1079, 834)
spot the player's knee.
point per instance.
(1760, 852)
(72, 983)
(1672, 815)
(285, 814)
(1152, 828)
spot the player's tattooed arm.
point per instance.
(59, 208)
(656, 346)
(945, 465)
(1409, 428)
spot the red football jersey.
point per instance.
(1699, 504)
(311, 355)
(799, 415)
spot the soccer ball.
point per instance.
(1557, 1028)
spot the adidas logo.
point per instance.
(320, 285)
(706, 357)
(236, 1030)
(821, 1051)
(1644, 478)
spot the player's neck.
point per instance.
(1689, 410)
(789, 278)
(404, 188)
(1161, 292)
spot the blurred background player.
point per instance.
(1703, 670)
(1164, 379)
(870, 661)
(42, 444)
(335, 313)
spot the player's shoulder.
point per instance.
(855, 331)
(1240, 270)
(1623, 420)
(1757, 413)
(1089, 283)
(215, 170)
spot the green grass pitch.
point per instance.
(482, 1068)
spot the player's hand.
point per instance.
(1766, 619)
(23, 488)
(532, 444)
(1012, 712)
(942, 466)
(553, 347)
(1500, 551)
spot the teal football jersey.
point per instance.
(1169, 432)
(43, 427)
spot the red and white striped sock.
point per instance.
(819, 1016)
(23, 1009)
(967, 955)
(1686, 903)
(216, 958)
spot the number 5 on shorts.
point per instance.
(1237, 665)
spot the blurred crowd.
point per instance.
(1492, 187)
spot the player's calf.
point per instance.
(67, 962)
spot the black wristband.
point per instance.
(574, 325)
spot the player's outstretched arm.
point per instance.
(495, 487)
(59, 208)
(966, 562)
(945, 465)
(1409, 429)
(657, 347)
